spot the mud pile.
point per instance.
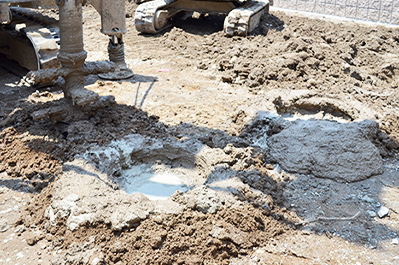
(288, 50)
(219, 217)
(327, 149)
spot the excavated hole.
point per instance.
(310, 111)
(156, 170)
(303, 115)
(158, 179)
(259, 131)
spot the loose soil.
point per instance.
(194, 84)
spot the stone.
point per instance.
(4, 226)
(367, 199)
(207, 201)
(326, 149)
(372, 214)
(383, 212)
(31, 239)
(203, 199)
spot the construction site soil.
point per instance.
(281, 148)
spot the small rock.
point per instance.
(31, 238)
(233, 59)
(382, 212)
(312, 82)
(228, 149)
(269, 167)
(227, 79)
(368, 199)
(4, 226)
(372, 214)
(158, 219)
(156, 242)
(357, 74)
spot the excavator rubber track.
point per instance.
(242, 16)
(148, 17)
(243, 20)
(31, 39)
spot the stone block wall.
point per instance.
(386, 11)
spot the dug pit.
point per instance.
(136, 177)
(152, 167)
(157, 182)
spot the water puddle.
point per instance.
(154, 181)
(316, 116)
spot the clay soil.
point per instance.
(191, 81)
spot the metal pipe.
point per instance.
(72, 55)
(116, 54)
(5, 16)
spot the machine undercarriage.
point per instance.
(242, 16)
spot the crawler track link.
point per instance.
(31, 39)
(243, 20)
(149, 17)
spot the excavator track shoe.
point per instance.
(31, 39)
(150, 18)
(243, 20)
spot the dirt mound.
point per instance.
(215, 223)
(33, 167)
(291, 52)
(188, 238)
(294, 52)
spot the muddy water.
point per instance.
(156, 184)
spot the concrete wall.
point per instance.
(386, 11)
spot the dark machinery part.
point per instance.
(30, 39)
(38, 42)
(116, 53)
(242, 16)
